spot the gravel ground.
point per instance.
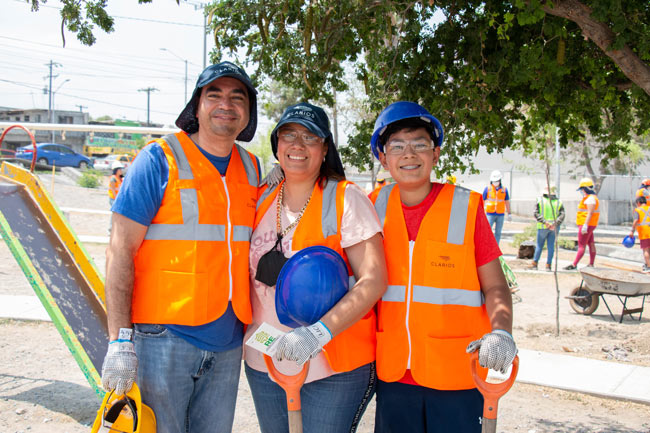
(42, 389)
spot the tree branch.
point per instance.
(626, 59)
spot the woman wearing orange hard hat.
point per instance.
(587, 221)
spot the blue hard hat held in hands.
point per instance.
(628, 241)
(309, 285)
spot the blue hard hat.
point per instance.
(399, 111)
(309, 285)
(628, 241)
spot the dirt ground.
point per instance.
(42, 389)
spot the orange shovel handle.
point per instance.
(290, 384)
(492, 392)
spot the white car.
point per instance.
(106, 164)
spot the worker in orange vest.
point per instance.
(447, 295)
(497, 203)
(378, 186)
(177, 280)
(587, 221)
(115, 181)
(642, 226)
(644, 189)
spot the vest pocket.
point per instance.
(445, 364)
(182, 297)
(444, 265)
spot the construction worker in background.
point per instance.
(381, 181)
(497, 203)
(549, 213)
(115, 181)
(177, 293)
(587, 220)
(644, 189)
(642, 226)
(447, 295)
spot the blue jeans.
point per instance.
(548, 236)
(497, 220)
(190, 390)
(331, 405)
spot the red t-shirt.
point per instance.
(486, 248)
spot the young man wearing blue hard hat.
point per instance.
(177, 291)
(447, 295)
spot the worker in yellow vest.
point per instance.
(447, 295)
(587, 221)
(497, 203)
(642, 226)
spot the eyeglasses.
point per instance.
(308, 139)
(398, 147)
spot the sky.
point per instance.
(106, 77)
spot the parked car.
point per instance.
(7, 153)
(106, 163)
(54, 154)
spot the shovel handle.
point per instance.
(492, 392)
(290, 384)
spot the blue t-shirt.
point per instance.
(139, 199)
(485, 193)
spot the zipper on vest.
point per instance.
(408, 301)
(225, 187)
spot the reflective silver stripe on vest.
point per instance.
(643, 220)
(264, 195)
(395, 294)
(182, 232)
(436, 296)
(241, 233)
(458, 216)
(328, 216)
(184, 168)
(249, 166)
(381, 204)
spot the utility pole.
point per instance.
(148, 90)
(184, 60)
(51, 65)
(81, 107)
(53, 107)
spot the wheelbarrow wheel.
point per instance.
(585, 301)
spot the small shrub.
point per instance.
(89, 180)
(529, 234)
(567, 244)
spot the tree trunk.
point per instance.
(629, 63)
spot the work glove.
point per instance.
(509, 217)
(497, 350)
(585, 229)
(303, 343)
(274, 176)
(120, 367)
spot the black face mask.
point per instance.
(270, 264)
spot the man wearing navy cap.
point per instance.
(177, 293)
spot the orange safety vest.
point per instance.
(321, 225)
(194, 257)
(643, 228)
(642, 192)
(434, 306)
(581, 216)
(114, 184)
(496, 200)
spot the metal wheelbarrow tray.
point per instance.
(597, 282)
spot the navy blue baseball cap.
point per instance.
(187, 120)
(315, 120)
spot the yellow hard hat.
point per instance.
(124, 414)
(451, 179)
(586, 182)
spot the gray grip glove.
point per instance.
(120, 367)
(497, 350)
(303, 343)
(274, 176)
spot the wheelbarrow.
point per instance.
(598, 282)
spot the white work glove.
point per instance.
(303, 343)
(585, 229)
(120, 366)
(509, 217)
(274, 176)
(497, 350)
